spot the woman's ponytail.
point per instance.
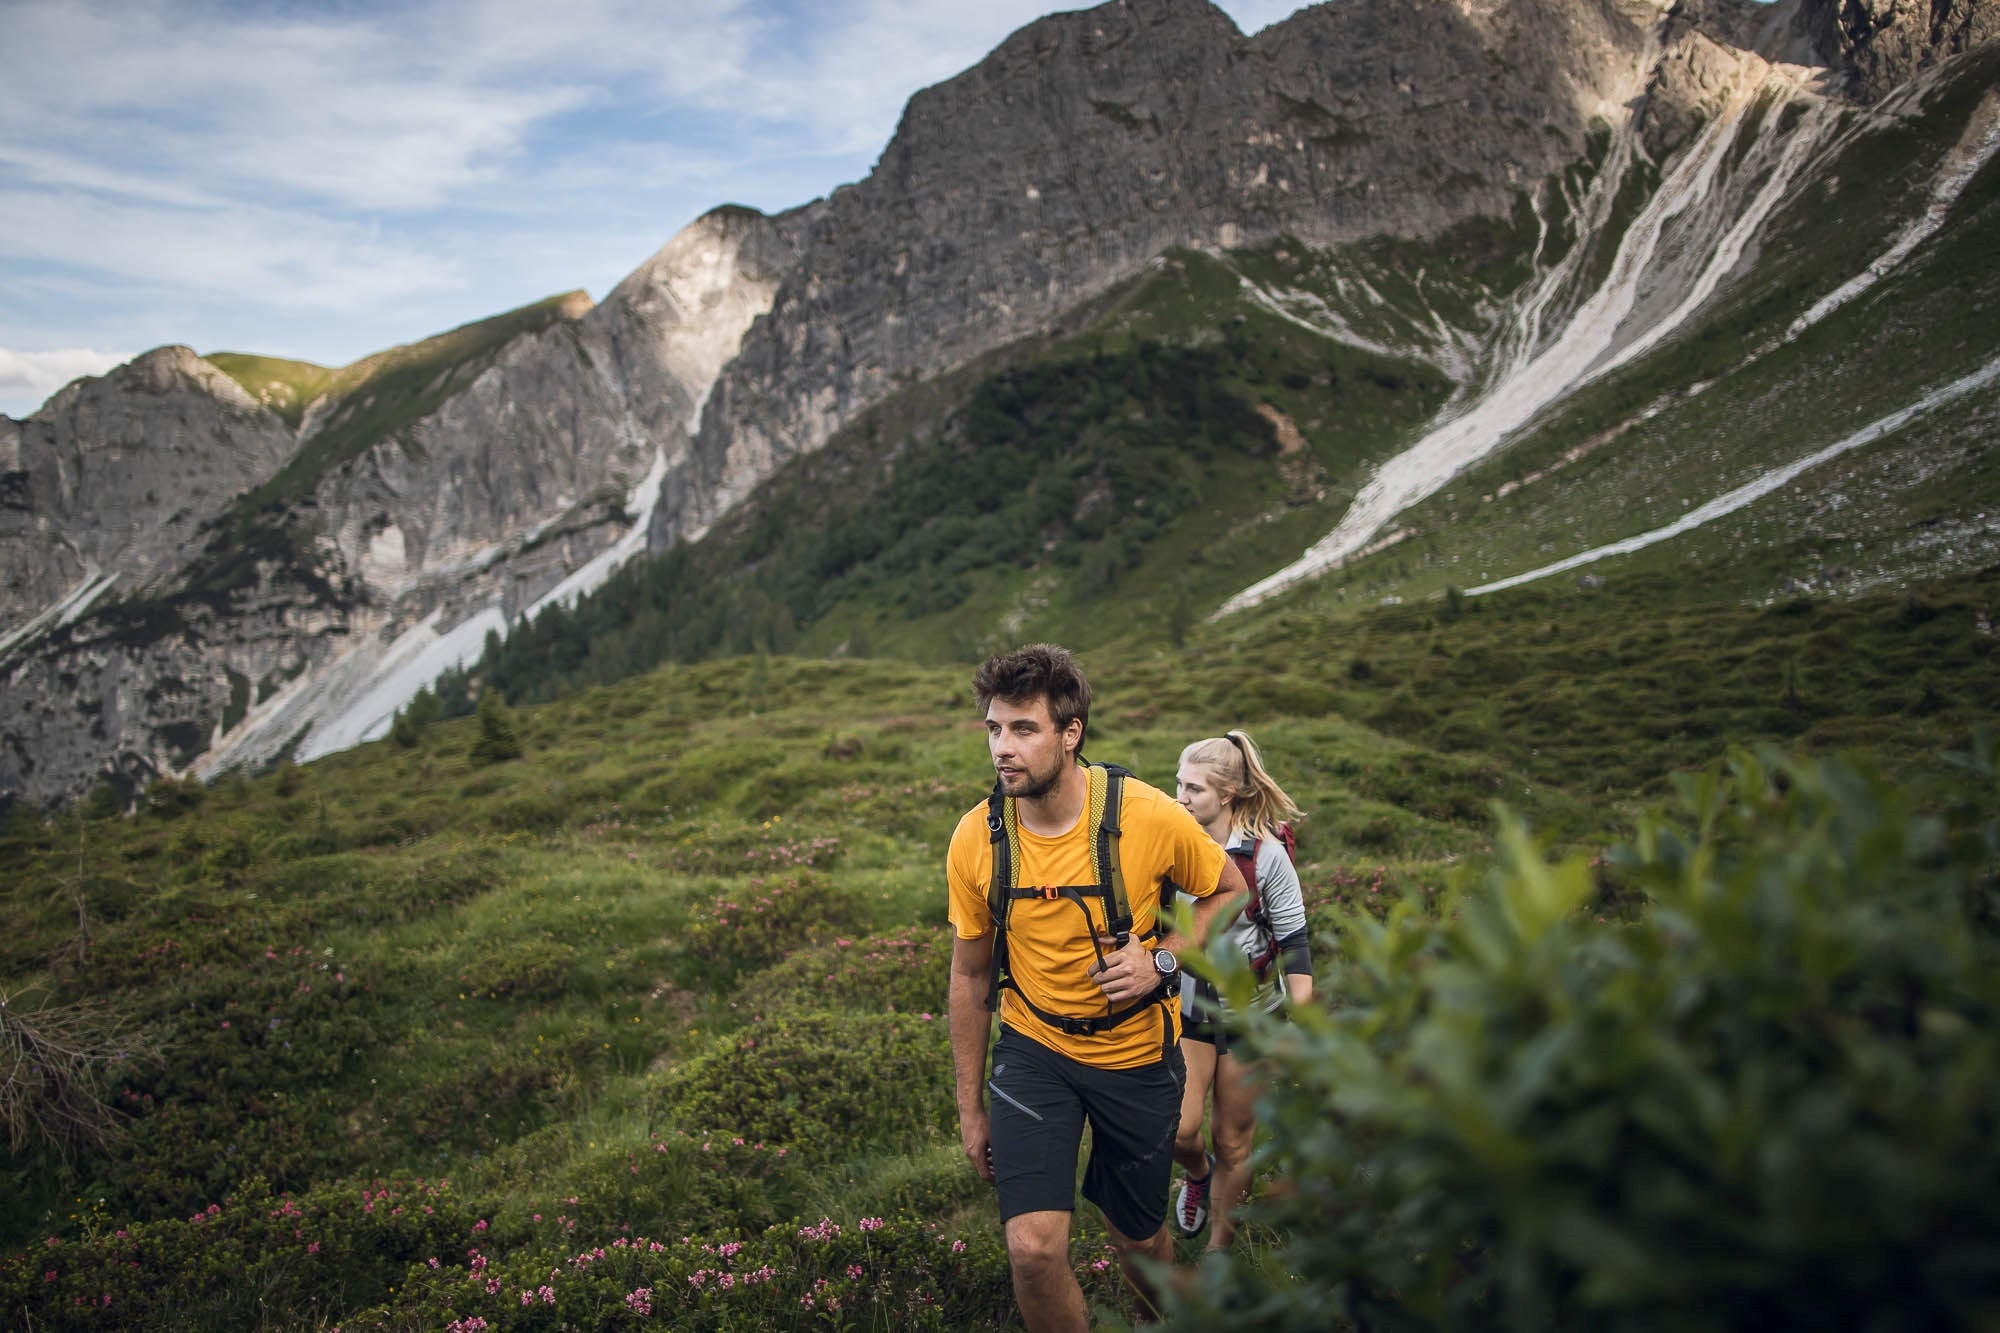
(1257, 804)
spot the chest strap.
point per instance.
(1104, 805)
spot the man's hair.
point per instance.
(1036, 671)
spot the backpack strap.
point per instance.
(1253, 911)
(1103, 806)
(1003, 828)
(1107, 801)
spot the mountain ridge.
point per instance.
(750, 340)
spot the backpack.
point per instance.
(1107, 791)
(1267, 938)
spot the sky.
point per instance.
(323, 180)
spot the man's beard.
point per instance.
(1035, 788)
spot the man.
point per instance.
(1089, 1026)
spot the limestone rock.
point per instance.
(120, 471)
(1882, 43)
(1089, 142)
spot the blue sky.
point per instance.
(323, 180)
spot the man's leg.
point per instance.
(1037, 1126)
(1045, 1286)
(1159, 1248)
(1134, 1114)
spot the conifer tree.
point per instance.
(499, 740)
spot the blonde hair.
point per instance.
(1256, 803)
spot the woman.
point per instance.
(1224, 785)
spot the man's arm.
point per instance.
(1127, 974)
(1231, 892)
(971, 978)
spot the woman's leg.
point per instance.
(1189, 1150)
(1235, 1128)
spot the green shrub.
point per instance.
(899, 971)
(681, 1182)
(836, 1082)
(869, 1273)
(1773, 1100)
(752, 927)
(252, 1261)
(520, 968)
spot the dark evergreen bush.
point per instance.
(1770, 1101)
(499, 740)
(836, 1083)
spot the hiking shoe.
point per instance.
(1191, 1205)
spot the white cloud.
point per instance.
(255, 176)
(33, 376)
(266, 256)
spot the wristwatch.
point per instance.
(1166, 964)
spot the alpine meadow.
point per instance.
(472, 821)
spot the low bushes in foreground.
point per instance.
(1771, 1100)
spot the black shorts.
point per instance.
(1040, 1100)
(1201, 1020)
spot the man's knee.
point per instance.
(1038, 1242)
(1159, 1245)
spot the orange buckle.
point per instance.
(1049, 892)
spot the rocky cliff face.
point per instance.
(1880, 44)
(1089, 142)
(233, 641)
(1083, 147)
(118, 474)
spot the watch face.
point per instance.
(1165, 962)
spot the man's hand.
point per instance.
(1125, 974)
(975, 1134)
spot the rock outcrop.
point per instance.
(1880, 44)
(1086, 145)
(119, 473)
(1089, 142)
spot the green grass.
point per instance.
(492, 972)
(286, 387)
(378, 395)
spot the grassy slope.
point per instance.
(1857, 522)
(524, 928)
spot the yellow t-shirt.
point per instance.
(1049, 947)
